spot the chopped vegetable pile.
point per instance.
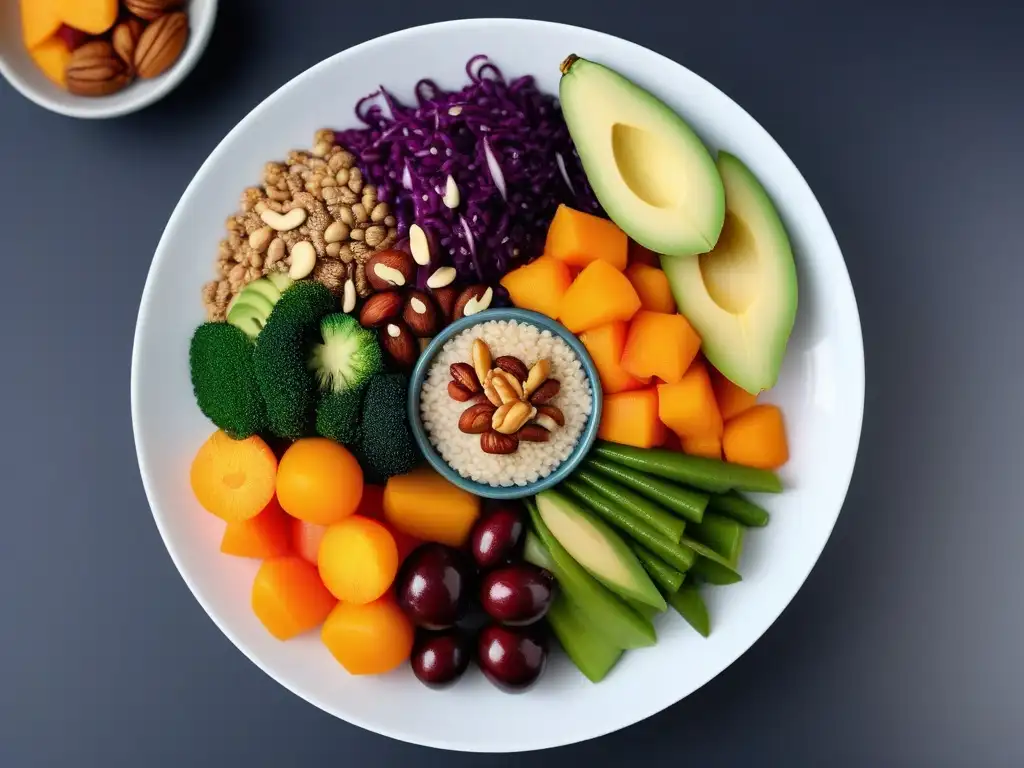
(672, 268)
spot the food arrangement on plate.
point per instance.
(666, 270)
(98, 47)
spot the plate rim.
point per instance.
(637, 713)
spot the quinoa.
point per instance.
(532, 461)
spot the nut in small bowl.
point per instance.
(505, 427)
(144, 65)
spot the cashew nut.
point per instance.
(284, 222)
(303, 260)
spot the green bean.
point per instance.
(739, 509)
(643, 509)
(690, 605)
(663, 574)
(685, 502)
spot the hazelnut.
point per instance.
(389, 269)
(380, 308)
(474, 299)
(495, 442)
(399, 344)
(419, 314)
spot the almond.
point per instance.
(95, 69)
(399, 344)
(465, 376)
(389, 269)
(446, 298)
(380, 308)
(545, 392)
(151, 9)
(161, 44)
(549, 417)
(533, 433)
(476, 419)
(474, 299)
(514, 366)
(419, 314)
(458, 392)
(494, 442)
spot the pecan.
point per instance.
(161, 44)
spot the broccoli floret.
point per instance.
(282, 349)
(339, 417)
(348, 356)
(223, 379)
(387, 447)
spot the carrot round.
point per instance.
(368, 639)
(756, 438)
(358, 560)
(319, 481)
(289, 598)
(266, 535)
(233, 479)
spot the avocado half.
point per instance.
(741, 297)
(648, 169)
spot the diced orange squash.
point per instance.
(40, 20)
(708, 446)
(600, 294)
(92, 16)
(539, 285)
(52, 57)
(424, 505)
(268, 534)
(756, 438)
(640, 255)
(652, 287)
(369, 639)
(289, 598)
(688, 407)
(605, 344)
(732, 400)
(659, 344)
(631, 418)
(579, 238)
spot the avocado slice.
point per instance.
(247, 317)
(264, 288)
(742, 296)
(649, 170)
(599, 549)
(592, 653)
(280, 280)
(616, 621)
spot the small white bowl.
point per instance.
(21, 71)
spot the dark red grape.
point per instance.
(439, 658)
(512, 658)
(517, 594)
(497, 537)
(434, 586)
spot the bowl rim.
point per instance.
(85, 108)
(579, 451)
(854, 409)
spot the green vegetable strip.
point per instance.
(643, 509)
(685, 502)
(690, 605)
(680, 558)
(663, 574)
(714, 572)
(708, 474)
(723, 534)
(739, 509)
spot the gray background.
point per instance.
(903, 648)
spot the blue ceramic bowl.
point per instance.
(484, 490)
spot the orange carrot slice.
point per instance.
(266, 535)
(369, 639)
(233, 479)
(289, 598)
(358, 560)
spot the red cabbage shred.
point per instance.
(448, 133)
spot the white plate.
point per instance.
(821, 390)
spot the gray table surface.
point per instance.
(904, 646)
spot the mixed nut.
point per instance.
(509, 403)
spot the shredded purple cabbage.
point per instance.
(506, 146)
